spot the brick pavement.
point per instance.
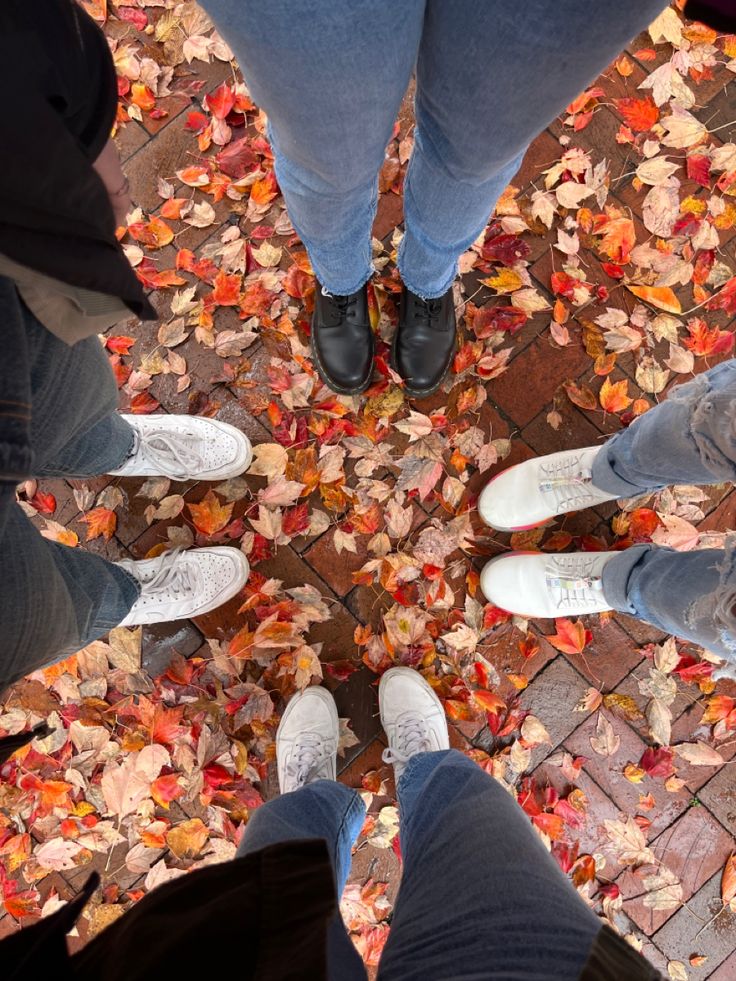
(691, 828)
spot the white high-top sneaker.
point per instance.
(537, 585)
(180, 584)
(185, 448)
(412, 717)
(532, 492)
(306, 740)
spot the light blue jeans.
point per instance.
(490, 76)
(513, 913)
(688, 439)
(56, 599)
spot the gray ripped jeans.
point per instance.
(688, 439)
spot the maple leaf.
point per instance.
(614, 397)
(639, 114)
(705, 340)
(220, 102)
(155, 234)
(226, 292)
(100, 521)
(571, 637)
(210, 516)
(186, 840)
(725, 298)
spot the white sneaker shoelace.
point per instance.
(175, 454)
(175, 580)
(307, 760)
(572, 582)
(568, 483)
(412, 737)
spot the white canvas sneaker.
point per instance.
(306, 740)
(185, 448)
(537, 585)
(412, 717)
(532, 492)
(180, 584)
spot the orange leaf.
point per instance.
(155, 234)
(639, 114)
(220, 102)
(552, 825)
(581, 396)
(264, 190)
(188, 838)
(570, 638)
(142, 96)
(615, 397)
(210, 516)
(718, 707)
(705, 340)
(728, 881)
(100, 521)
(166, 788)
(661, 297)
(489, 702)
(226, 292)
(618, 236)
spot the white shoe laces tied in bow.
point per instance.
(174, 453)
(310, 754)
(412, 737)
(572, 583)
(568, 482)
(175, 578)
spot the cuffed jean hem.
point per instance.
(616, 575)
(605, 478)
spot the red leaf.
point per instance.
(725, 299)
(698, 169)
(639, 114)
(552, 825)
(295, 520)
(506, 249)
(133, 15)
(237, 158)
(143, 404)
(705, 340)
(227, 289)
(196, 122)
(488, 320)
(120, 344)
(221, 101)
(657, 762)
(42, 502)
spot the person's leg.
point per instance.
(690, 438)
(512, 911)
(313, 805)
(331, 78)
(56, 599)
(490, 77)
(689, 594)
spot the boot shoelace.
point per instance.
(569, 483)
(344, 304)
(176, 577)
(428, 312)
(175, 453)
(572, 583)
(309, 755)
(412, 737)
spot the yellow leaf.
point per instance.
(505, 281)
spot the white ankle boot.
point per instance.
(532, 492)
(185, 448)
(534, 584)
(180, 584)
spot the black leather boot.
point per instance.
(342, 340)
(424, 343)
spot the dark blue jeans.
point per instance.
(480, 896)
(56, 599)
